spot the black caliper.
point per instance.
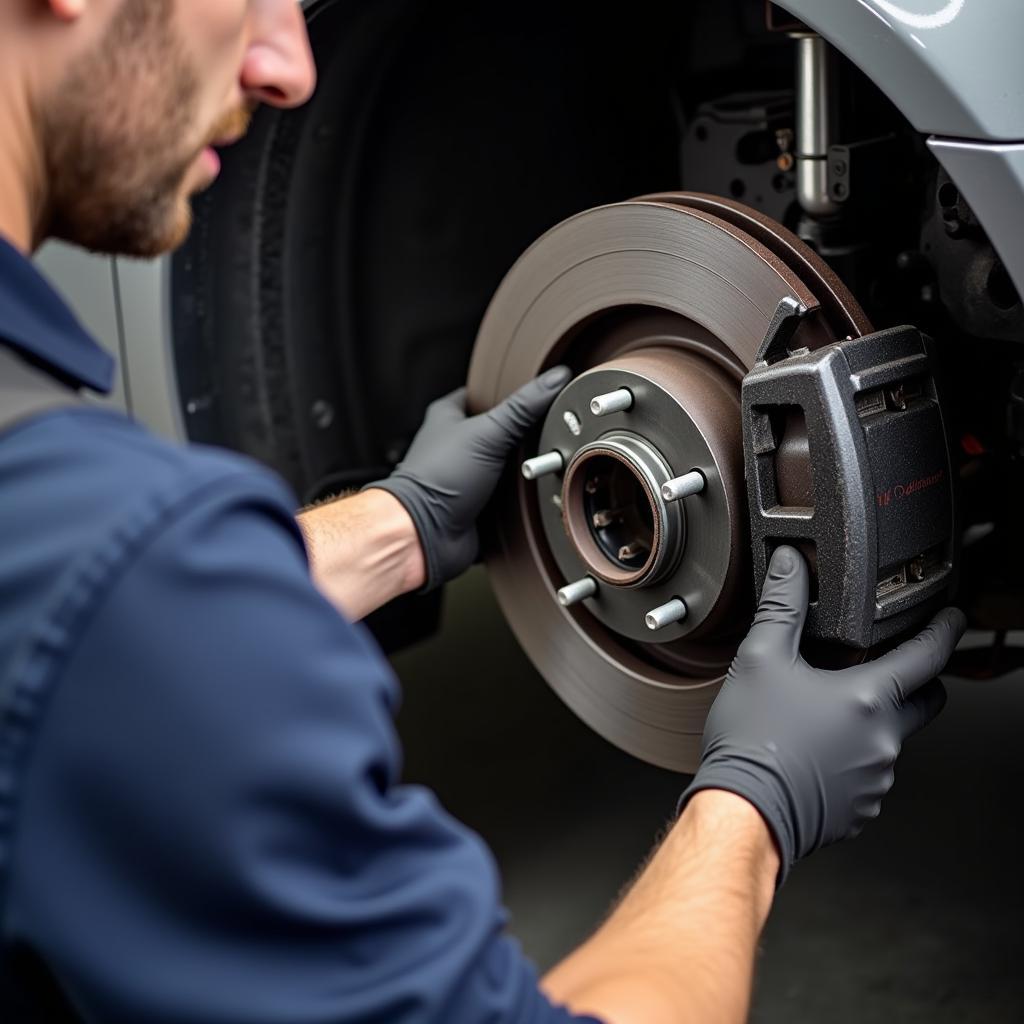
(847, 458)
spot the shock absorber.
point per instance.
(815, 127)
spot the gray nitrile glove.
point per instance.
(814, 750)
(454, 464)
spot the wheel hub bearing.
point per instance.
(620, 555)
(606, 516)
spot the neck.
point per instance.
(22, 195)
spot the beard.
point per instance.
(114, 138)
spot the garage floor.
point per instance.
(919, 920)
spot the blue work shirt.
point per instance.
(201, 818)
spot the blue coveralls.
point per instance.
(201, 818)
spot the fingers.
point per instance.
(921, 707)
(523, 408)
(921, 658)
(780, 616)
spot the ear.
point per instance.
(67, 10)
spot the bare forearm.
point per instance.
(679, 948)
(363, 551)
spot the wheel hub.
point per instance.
(606, 516)
(614, 514)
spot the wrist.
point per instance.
(423, 572)
(393, 521)
(363, 551)
(758, 784)
(728, 821)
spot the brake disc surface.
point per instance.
(667, 297)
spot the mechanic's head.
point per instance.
(108, 107)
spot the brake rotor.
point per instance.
(666, 297)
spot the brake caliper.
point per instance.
(847, 458)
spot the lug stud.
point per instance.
(614, 401)
(573, 593)
(658, 618)
(683, 486)
(542, 465)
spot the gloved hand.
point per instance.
(814, 750)
(453, 467)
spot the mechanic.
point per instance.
(201, 818)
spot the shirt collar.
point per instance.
(36, 320)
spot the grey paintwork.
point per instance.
(952, 66)
(87, 282)
(953, 69)
(124, 305)
(144, 290)
(992, 179)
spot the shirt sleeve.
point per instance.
(212, 827)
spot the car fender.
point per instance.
(952, 68)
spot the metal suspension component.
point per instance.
(614, 518)
(815, 102)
